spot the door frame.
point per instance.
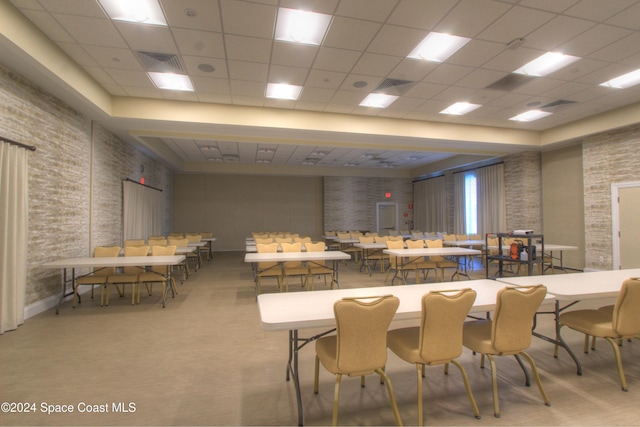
(615, 219)
(378, 204)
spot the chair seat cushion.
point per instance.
(123, 278)
(151, 276)
(404, 343)
(592, 322)
(477, 337)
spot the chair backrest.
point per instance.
(366, 239)
(283, 239)
(626, 312)
(436, 243)
(175, 234)
(267, 248)
(156, 237)
(181, 243)
(462, 237)
(344, 235)
(102, 252)
(394, 244)
(135, 251)
(449, 237)
(476, 237)
(315, 247)
(291, 247)
(134, 242)
(396, 238)
(263, 240)
(206, 235)
(162, 250)
(361, 330)
(414, 244)
(305, 239)
(193, 238)
(513, 317)
(443, 317)
(382, 239)
(157, 242)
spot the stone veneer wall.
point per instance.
(523, 192)
(75, 203)
(610, 157)
(350, 202)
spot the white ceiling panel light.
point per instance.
(437, 47)
(624, 81)
(138, 11)
(378, 100)
(530, 116)
(171, 81)
(546, 64)
(301, 26)
(283, 91)
(460, 108)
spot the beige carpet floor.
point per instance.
(204, 360)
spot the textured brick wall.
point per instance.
(523, 191)
(350, 202)
(608, 158)
(66, 217)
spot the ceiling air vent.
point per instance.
(161, 62)
(394, 86)
(555, 105)
(510, 82)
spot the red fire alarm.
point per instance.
(387, 195)
(142, 181)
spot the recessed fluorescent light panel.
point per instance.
(171, 81)
(137, 11)
(437, 47)
(283, 91)
(546, 64)
(300, 26)
(378, 100)
(624, 81)
(530, 116)
(460, 108)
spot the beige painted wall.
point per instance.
(563, 202)
(234, 206)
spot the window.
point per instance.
(470, 203)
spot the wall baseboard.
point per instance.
(47, 304)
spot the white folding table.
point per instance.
(305, 310)
(106, 262)
(571, 288)
(414, 253)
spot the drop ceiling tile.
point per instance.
(247, 49)
(339, 60)
(425, 90)
(556, 6)
(628, 18)
(74, 7)
(289, 75)
(593, 39)
(248, 19)
(470, 17)
(454, 94)
(199, 43)
(248, 71)
(515, 23)
(48, 25)
(192, 64)
(447, 74)
(91, 31)
(319, 6)
(476, 52)
(325, 79)
(376, 65)
(349, 33)
(210, 85)
(78, 54)
(419, 13)
(207, 14)
(412, 69)
(129, 78)
(597, 10)
(395, 40)
(620, 49)
(147, 38)
(109, 57)
(510, 60)
(556, 32)
(479, 79)
(369, 10)
(315, 94)
(247, 89)
(293, 55)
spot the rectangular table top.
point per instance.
(296, 256)
(302, 310)
(432, 252)
(119, 261)
(577, 286)
(463, 242)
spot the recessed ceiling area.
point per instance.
(228, 51)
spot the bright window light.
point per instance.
(283, 91)
(530, 116)
(300, 26)
(624, 81)
(546, 64)
(378, 100)
(460, 108)
(171, 81)
(137, 11)
(437, 47)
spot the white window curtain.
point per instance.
(492, 216)
(430, 205)
(142, 209)
(14, 206)
(458, 204)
